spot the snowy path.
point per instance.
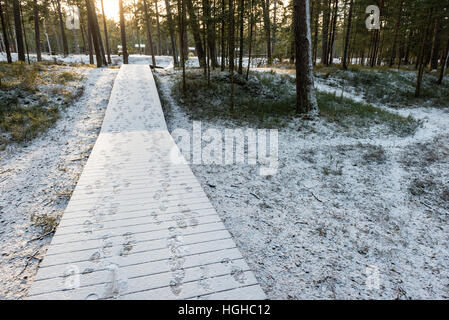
(139, 226)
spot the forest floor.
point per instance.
(362, 189)
(48, 131)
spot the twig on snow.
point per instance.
(43, 236)
(316, 197)
(28, 261)
(255, 195)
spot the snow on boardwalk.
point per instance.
(139, 226)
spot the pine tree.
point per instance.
(241, 24)
(37, 34)
(348, 35)
(195, 29)
(305, 91)
(65, 45)
(123, 32)
(267, 27)
(231, 51)
(150, 38)
(172, 32)
(18, 29)
(106, 38)
(5, 35)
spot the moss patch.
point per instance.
(268, 99)
(387, 86)
(31, 96)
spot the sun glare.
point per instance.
(110, 9)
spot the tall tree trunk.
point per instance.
(195, 28)
(267, 27)
(332, 35)
(88, 38)
(25, 36)
(9, 29)
(376, 40)
(292, 48)
(93, 33)
(106, 38)
(206, 50)
(37, 33)
(171, 29)
(435, 53)
(185, 35)
(352, 42)
(65, 45)
(315, 36)
(82, 31)
(5, 36)
(396, 32)
(422, 56)
(325, 32)
(444, 62)
(273, 42)
(374, 48)
(181, 16)
(159, 46)
(150, 39)
(204, 41)
(90, 44)
(231, 52)
(123, 32)
(381, 49)
(210, 33)
(55, 32)
(2, 43)
(18, 29)
(223, 48)
(348, 36)
(96, 25)
(407, 49)
(214, 28)
(76, 44)
(305, 91)
(251, 23)
(137, 26)
(241, 20)
(47, 38)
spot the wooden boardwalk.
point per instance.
(138, 225)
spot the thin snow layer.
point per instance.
(339, 211)
(39, 178)
(162, 61)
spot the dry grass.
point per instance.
(31, 96)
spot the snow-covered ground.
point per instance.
(343, 213)
(339, 209)
(161, 61)
(38, 179)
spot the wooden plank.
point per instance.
(139, 226)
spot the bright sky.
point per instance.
(110, 9)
